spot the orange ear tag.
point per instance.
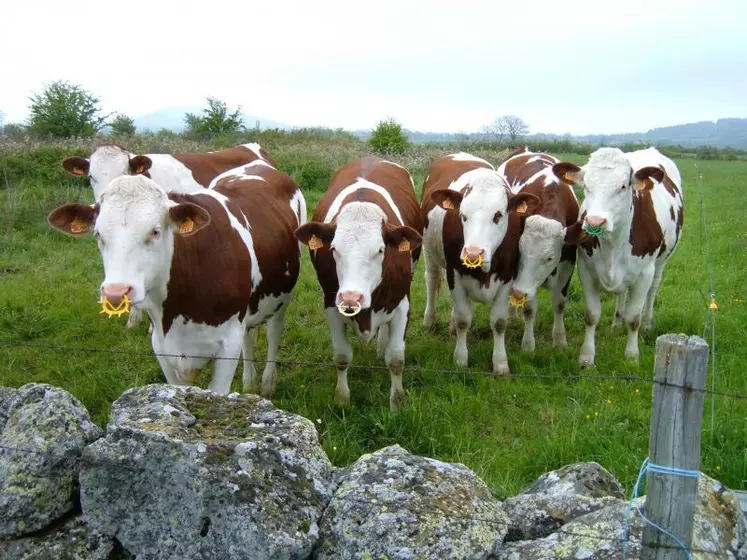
(447, 204)
(78, 226)
(140, 169)
(187, 225)
(522, 208)
(315, 243)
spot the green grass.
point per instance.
(507, 430)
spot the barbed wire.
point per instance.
(408, 368)
(77, 461)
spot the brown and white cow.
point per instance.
(545, 259)
(206, 267)
(472, 228)
(364, 239)
(633, 209)
(185, 172)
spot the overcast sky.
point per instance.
(563, 66)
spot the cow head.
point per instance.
(358, 239)
(483, 209)
(540, 247)
(107, 162)
(608, 181)
(135, 223)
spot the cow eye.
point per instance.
(464, 218)
(623, 187)
(154, 234)
(548, 259)
(497, 217)
(381, 250)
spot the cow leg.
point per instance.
(226, 362)
(558, 290)
(530, 314)
(461, 318)
(633, 309)
(648, 310)
(172, 378)
(136, 315)
(432, 283)
(498, 322)
(247, 351)
(274, 332)
(343, 354)
(620, 309)
(395, 353)
(382, 340)
(593, 304)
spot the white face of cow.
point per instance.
(106, 164)
(540, 246)
(483, 210)
(134, 224)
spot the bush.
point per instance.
(388, 138)
(65, 110)
(215, 120)
(122, 125)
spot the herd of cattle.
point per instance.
(209, 246)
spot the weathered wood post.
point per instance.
(676, 415)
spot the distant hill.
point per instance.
(173, 119)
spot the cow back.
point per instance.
(205, 166)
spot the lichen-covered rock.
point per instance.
(41, 439)
(71, 540)
(186, 473)
(558, 497)
(399, 506)
(5, 394)
(719, 527)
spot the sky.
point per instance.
(572, 66)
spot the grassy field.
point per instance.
(508, 430)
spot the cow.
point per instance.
(206, 267)
(544, 257)
(184, 172)
(630, 223)
(472, 226)
(364, 240)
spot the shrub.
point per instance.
(388, 138)
(65, 110)
(122, 125)
(215, 120)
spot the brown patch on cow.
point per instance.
(635, 324)
(575, 235)
(206, 166)
(520, 168)
(589, 319)
(528, 312)
(680, 219)
(670, 186)
(646, 236)
(560, 308)
(442, 173)
(500, 326)
(671, 213)
(397, 266)
(210, 277)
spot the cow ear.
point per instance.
(76, 166)
(523, 204)
(74, 219)
(316, 235)
(568, 172)
(643, 177)
(447, 199)
(575, 234)
(403, 238)
(188, 218)
(139, 165)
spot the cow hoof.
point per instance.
(429, 323)
(560, 342)
(527, 345)
(631, 356)
(267, 391)
(342, 398)
(397, 401)
(586, 362)
(460, 360)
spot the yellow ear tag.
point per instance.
(187, 226)
(108, 309)
(447, 204)
(140, 169)
(404, 246)
(78, 226)
(568, 177)
(713, 306)
(315, 243)
(79, 171)
(522, 208)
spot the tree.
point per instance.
(507, 126)
(65, 110)
(388, 138)
(122, 125)
(215, 120)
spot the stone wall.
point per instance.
(182, 473)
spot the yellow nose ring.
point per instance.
(114, 311)
(469, 263)
(517, 303)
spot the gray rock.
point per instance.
(719, 531)
(399, 506)
(185, 473)
(41, 440)
(558, 497)
(71, 540)
(5, 395)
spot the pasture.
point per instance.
(509, 431)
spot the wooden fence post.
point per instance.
(676, 417)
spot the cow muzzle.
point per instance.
(473, 257)
(349, 303)
(595, 225)
(517, 298)
(115, 299)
